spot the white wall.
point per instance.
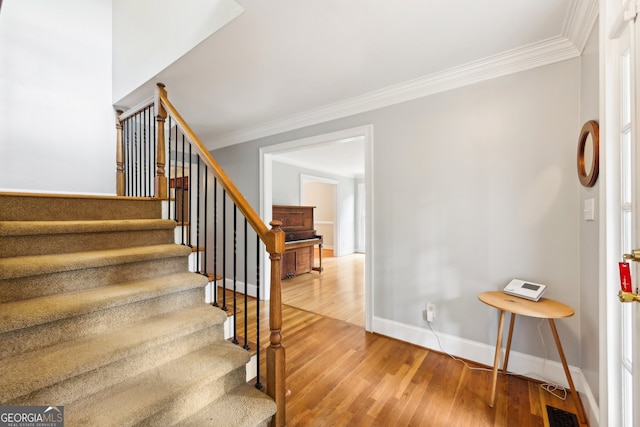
(471, 188)
(148, 38)
(57, 125)
(322, 195)
(589, 230)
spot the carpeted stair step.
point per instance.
(168, 393)
(244, 406)
(35, 276)
(64, 207)
(69, 370)
(99, 313)
(22, 238)
(40, 322)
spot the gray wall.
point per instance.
(589, 241)
(471, 187)
(286, 184)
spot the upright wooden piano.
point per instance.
(300, 239)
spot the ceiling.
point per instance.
(284, 64)
(343, 157)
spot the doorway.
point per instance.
(267, 155)
(321, 193)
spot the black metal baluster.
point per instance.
(246, 284)
(186, 186)
(140, 156)
(147, 152)
(198, 219)
(132, 148)
(258, 383)
(206, 210)
(224, 250)
(235, 277)
(175, 176)
(152, 151)
(145, 181)
(131, 165)
(125, 149)
(136, 177)
(215, 239)
(169, 163)
(182, 218)
(135, 154)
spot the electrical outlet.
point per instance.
(431, 312)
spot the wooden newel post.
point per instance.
(276, 387)
(161, 187)
(119, 156)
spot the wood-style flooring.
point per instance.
(340, 375)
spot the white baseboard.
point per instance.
(519, 363)
(251, 289)
(208, 291)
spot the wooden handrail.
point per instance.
(135, 110)
(234, 194)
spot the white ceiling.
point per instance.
(283, 64)
(342, 157)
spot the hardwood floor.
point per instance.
(337, 293)
(340, 375)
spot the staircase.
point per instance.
(99, 314)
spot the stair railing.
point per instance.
(153, 133)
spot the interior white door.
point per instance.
(631, 311)
(624, 329)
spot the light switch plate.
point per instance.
(589, 210)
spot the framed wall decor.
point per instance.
(589, 153)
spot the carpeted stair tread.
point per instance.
(27, 228)
(24, 266)
(244, 406)
(37, 311)
(41, 368)
(69, 207)
(30, 238)
(165, 394)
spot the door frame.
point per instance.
(266, 201)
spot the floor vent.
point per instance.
(560, 418)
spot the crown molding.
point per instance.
(525, 58)
(580, 20)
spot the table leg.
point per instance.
(496, 360)
(506, 354)
(579, 407)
